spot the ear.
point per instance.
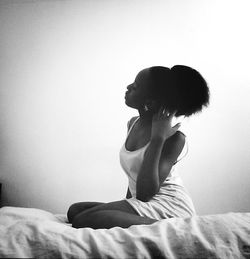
(149, 103)
(153, 105)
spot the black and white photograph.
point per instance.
(125, 129)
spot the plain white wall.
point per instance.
(64, 68)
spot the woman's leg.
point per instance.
(108, 215)
(78, 207)
(109, 219)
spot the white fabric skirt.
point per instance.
(171, 201)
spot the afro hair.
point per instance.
(180, 88)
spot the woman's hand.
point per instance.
(161, 124)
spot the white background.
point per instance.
(64, 68)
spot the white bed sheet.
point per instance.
(28, 232)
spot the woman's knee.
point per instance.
(72, 211)
(93, 219)
(78, 220)
(78, 207)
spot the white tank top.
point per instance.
(131, 162)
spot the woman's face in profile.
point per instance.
(137, 91)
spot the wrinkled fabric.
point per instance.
(28, 232)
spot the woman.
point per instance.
(151, 151)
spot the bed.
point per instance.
(36, 233)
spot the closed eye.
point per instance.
(135, 85)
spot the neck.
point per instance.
(145, 117)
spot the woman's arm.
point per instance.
(157, 164)
(163, 150)
(172, 149)
(148, 183)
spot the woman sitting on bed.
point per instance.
(151, 151)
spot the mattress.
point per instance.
(31, 232)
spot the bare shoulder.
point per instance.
(178, 139)
(131, 121)
(180, 136)
(173, 146)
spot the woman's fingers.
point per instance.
(172, 114)
(163, 112)
(160, 112)
(168, 114)
(176, 126)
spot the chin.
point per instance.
(129, 104)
